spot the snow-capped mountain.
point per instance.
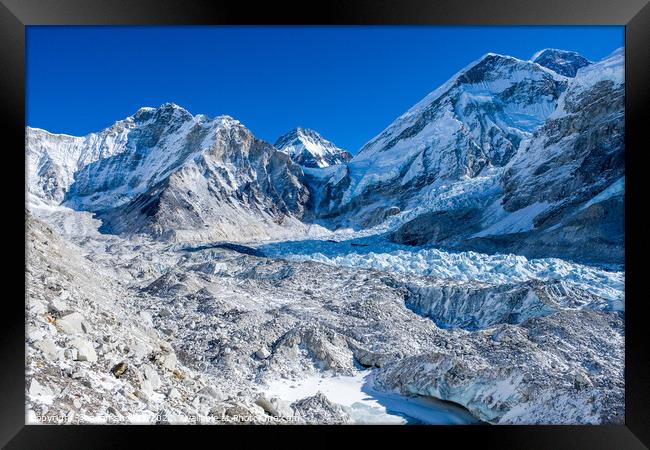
(504, 152)
(309, 149)
(562, 192)
(164, 171)
(53, 159)
(563, 62)
(473, 123)
(509, 159)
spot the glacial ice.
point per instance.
(377, 253)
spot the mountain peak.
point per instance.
(496, 56)
(166, 110)
(309, 149)
(300, 131)
(563, 62)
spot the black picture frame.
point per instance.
(15, 15)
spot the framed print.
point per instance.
(355, 218)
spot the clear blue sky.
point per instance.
(348, 83)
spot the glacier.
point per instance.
(466, 265)
(378, 254)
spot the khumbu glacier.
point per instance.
(466, 265)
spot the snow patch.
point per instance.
(367, 405)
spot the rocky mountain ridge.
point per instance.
(310, 149)
(478, 150)
(165, 172)
(562, 193)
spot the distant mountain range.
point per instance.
(508, 155)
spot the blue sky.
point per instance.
(348, 83)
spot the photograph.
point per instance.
(325, 225)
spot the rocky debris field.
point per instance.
(139, 331)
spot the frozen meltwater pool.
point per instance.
(369, 406)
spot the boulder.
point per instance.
(173, 394)
(581, 380)
(57, 306)
(263, 353)
(240, 413)
(318, 409)
(275, 406)
(72, 324)
(48, 348)
(35, 334)
(118, 369)
(210, 392)
(36, 389)
(166, 360)
(218, 410)
(139, 349)
(85, 350)
(151, 375)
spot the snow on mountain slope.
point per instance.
(542, 210)
(508, 157)
(51, 162)
(166, 172)
(474, 122)
(162, 140)
(563, 62)
(505, 149)
(53, 159)
(309, 149)
(580, 148)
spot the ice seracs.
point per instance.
(526, 352)
(477, 164)
(309, 149)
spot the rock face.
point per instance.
(511, 156)
(560, 61)
(166, 172)
(53, 159)
(474, 122)
(561, 194)
(309, 149)
(575, 164)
